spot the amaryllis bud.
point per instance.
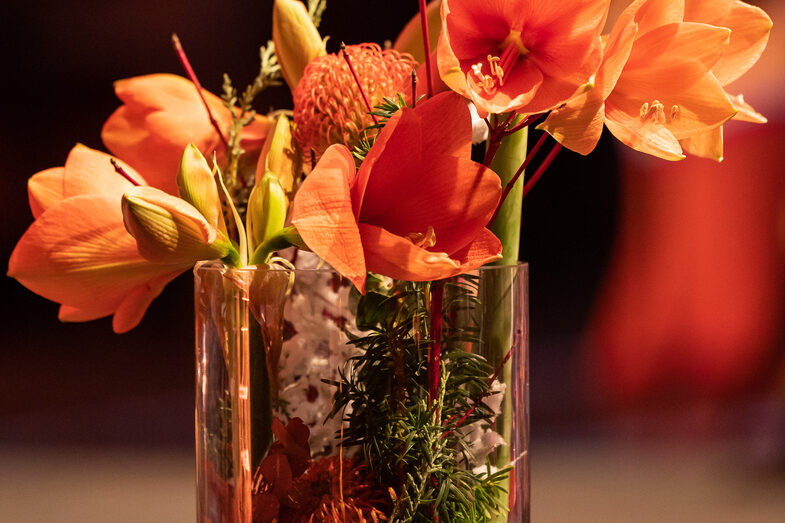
(280, 155)
(267, 206)
(297, 41)
(167, 229)
(328, 105)
(197, 186)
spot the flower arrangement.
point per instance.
(374, 173)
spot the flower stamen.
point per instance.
(499, 65)
(485, 81)
(423, 240)
(654, 112)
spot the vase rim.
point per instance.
(218, 265)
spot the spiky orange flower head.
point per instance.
(328, 104)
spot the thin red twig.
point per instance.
(357, 81)
(414, 88)
(526, 121)
(496, 133)
(119, 170)
(192, 76)
(511, 183)
(484, 395)
(434, 356)
(426, 39)
(541, 169)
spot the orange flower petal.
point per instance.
(746, 113)
(485, 248)
(130, 312)
(322, 213)
(578, 125)
(750, 27)
(399, 142)
(448, 113)
(403, 202)
(77, 253)
(650, 138)
(161, 115)
(66, 313)
(707, 144)
(88, 171)
(651, 14)
(399, 258)
(706, 12)
(670, 59)
(45, 189)
(479, 25)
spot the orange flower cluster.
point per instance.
(418, 207)
(656, 81)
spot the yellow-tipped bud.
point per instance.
(267, 206)
(297, 40)
(280, 155)
(168, 229)
(197, 186)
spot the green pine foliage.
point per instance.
(384, 111)
(412, 443)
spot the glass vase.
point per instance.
(317, 403)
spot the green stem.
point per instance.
(495, 291)
(507, 224)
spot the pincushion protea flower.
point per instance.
(328, 105)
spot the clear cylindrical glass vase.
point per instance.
(317, 403)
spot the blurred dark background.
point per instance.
(604, 252)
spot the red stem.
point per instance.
(511, 183)
(495, 138)
(414, 88)
(119, 170)
(482, 396)
(192, 76)
(435, 354)
(541, 169)
(426, 39)
(357, 81)
(526, 121)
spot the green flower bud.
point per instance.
(267, 206)
(197, 186)
(168, 229)
(280, 155)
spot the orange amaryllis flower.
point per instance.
(750, 27)
(416, 209)
(654, 87)
(161, 114)
(523, 55)
(78, 253)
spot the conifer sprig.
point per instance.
(384, 398)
